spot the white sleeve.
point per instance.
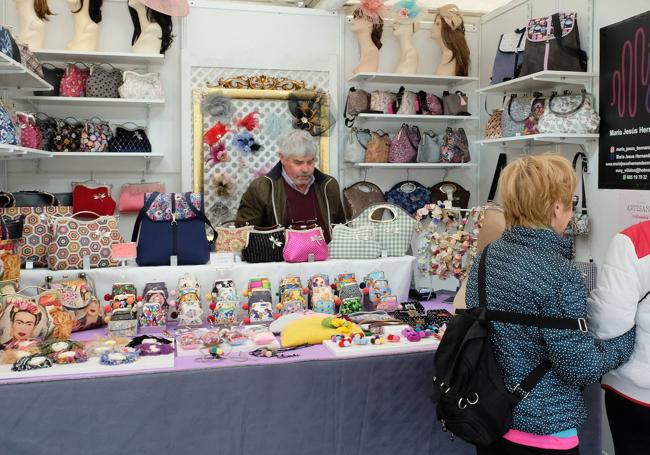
(612, 305)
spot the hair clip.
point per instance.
(31, 362)
(144, 339)
(277, 352)
(125, 355)
(149, 349)
(53, 347)
(360, 339)
(377, 340)
(69, 357)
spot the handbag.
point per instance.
(95, 136)
(303, 244)
(141, 86)
(393, 235)
(358, 101)
(129, 140)
(230, 238)
(33, 198)
(354, 243)
(381, 101)
(8, 45)
(404, 146)
(172, 224)
(30, 60)
(454, 147)
(11, 227)
(516, 114)
(589, 273)
(79, 299)
(450, 191)
(378, 147)
(7, 128)
(358, 196)
(52, 75)
(103, 83)
(570, 114)
(9, 261)
(355, 151)
(579, 222)
(493, 125)
(73, 82)
(30, 134)
(67, 135)
(35, 318)
(264, 245)
(429, 148)
(47, 126)
(132, 195)
(553, 43)
(509, 57)
(409, 195)
(92, 238)
(454, 103)
(92, 198)
(429, 104)
(405, 102)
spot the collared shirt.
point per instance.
(293, 185)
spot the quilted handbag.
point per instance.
(141, 86)
(172, 225)
(381, 101)
(445, 191)
(579, 222)
(103, 82)
(454, 148)
(73, 239)
(358, 101)
(404, 146)
(378, 147)
(67, 136)
(132, 195)
(95, 136)
(429, 104)
(264, 245)
(52, 75)
(11, 227)
(47, 126)
(30, 134)
(405, 102)
(429, 148)
(128, 140)
(454, 103)
(79, 299)
(92, 198)
(493, 125)
(553, 43)
(304, 244)
(394, 234)
(7, 127)
(30, 60)
(230, 238)
(73, 82)
(8, 45)
(570, 114)
(358, 196)
(509, 57)
(351, 243)
(409, 195)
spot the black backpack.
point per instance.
(472, 400)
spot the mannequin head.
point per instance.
(361, 22)
(163, 20)
(405, 28)
(94, 8)
(449, 28)
(42, 10)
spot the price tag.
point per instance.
(29, 265)
(86, 262)
(124, 251)
(310, 257)
(384, 253)
(173, 260)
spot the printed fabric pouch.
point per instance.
(493, 125)
(8, 45)
(393, 234)
(231, 238)
(360, 195)
(9, 261)
(322, 300)
(36, 323)
(405, 102)
(570, 114)
(429, 104)
(8, 133)
(404, 146)
(141, 86)
(536, 112)
(67, 136)
(73, 82)
(354, 243)
(47, 126)
(29, 59)
(358, 101)
(95, 136)
(79, 300)
(454, 148)
(351, 298)
(30, 134)
(382, 102)
(155, 305)
(429, 148)
(454, 103)
(128, 140)
(225, 302)
(378, 147)
(409, 195)
(509, 57)
(264, 245)
(73, 239)
(305, 244)
(52, 75)
(132, 195)
(579, 223)
(92, 198)
(103, 82)
(260, 306)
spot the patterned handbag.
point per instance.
(360, 195)
(454, 103)
(409, 195)
(79, 299)
(394, 235)
(454, 148)
(305, 243)
(493, 125)
(67, 136)
(429, 148)
(92, 198)
(73, 82)
(141, 86)
(522, 116)
(6, 42)
(381, 101)
(103, 83)
(429, 104)
(351, 298)
(378, 147)
(95, 136)
(579, 222)
(30, 60)
(264, 245)
(7, 127)
(129, 141)
(404, 146)
(47, 126)
(133, 194)
(73, 239)
(30, 134)
(354, 243)
(52, 75)
(230, 238)
(570, 114)
(405, 102)
(358, 101)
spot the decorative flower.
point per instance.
(249, 122)
(406, 10)
(219, 107)
(246, 142)
(371, 10)
(215, 134)
(224, 186)
(218, 153)
(26, 305)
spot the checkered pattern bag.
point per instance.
(589, 273)
(351, 243)
(394, 235)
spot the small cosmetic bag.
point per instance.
(141, 86)
(264, 245)
(303, 243)
(103, 82)
(128, 140)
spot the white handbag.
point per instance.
(141, 86)
(570, 114)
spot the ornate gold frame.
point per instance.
(257, 87)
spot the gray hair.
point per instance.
(298, 143)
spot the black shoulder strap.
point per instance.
(200, 214)
(142, 214)
(583, 169)
(557, 31)
(501, 163)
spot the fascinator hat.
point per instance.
(451, 15)
(406, 11)
(371, 10)
(174, 8)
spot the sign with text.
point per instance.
(624, 146)
(633, 208)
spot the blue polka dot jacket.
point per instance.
(529, 271)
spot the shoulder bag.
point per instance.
(454, 147)
(454, 103)
(509, 57)
(429, 104)
(358, 101)
(579, 223)
(429, 148)
(378, 147)
(404, 146)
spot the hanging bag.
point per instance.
(355, 150)
(304, 243)
(570, 114)
(30, 134)
(129, 140)
(92, 197)
(409, 195)
(429, 104)
(405, 102)
(509, 58)
(95, 136)
(378, 147)
(404, 146)
(493, 125)
(73, 82)
(264, 245)
(454, 148)
(67, 136)
(47, 126)
(133, 194)
(8, 133)
(103, 82)
(52, 75)
(429, 148)
(358, 101)
(394, 234)
(382, 102)
(446, 190)
(358, 196)
(579, 223)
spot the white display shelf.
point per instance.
(399, 118)
(415, 165)
(105, 155)
(56, 55)
(544, 80)
(16, 76)
(540, 139)
(90, 101)
(16, 152)
(411, 79)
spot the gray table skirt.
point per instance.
(375, 405)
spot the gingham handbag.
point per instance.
(394, 234)
(351, 243)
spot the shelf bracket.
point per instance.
(147, 164)
(38, 165)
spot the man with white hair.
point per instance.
(294, 191)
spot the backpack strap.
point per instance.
(501, 163)
(578, 53)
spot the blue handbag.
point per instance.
(7, 127)
(172, 224)
(409, 195)
(8, 45)
(509, 57)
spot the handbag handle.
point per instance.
(583, 169)
(566, 114)
(7, 199)
(201, 215)
(364, 146)
(512, 97)
(88, 212)
(235, 223)
(382, 207)
(501, 163)
(397, 100)
(51, 199)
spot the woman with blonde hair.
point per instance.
(529, 270)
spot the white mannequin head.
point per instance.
(359, 24)
(405, 28)
(436, 28)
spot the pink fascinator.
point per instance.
(174, 8)
(372, 10)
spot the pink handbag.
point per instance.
(132, 195)
(30, 134)
(404, 146)
(73, 82)
(301, 243)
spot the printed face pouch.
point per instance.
(73, 82)
(95, 136)
(103, 82)
(129, 141)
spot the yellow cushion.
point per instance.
(311, 331)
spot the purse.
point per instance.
(306, 243)
(454, 103)
(95, 136)
(493, 125)
(79, 299)
(393, 235)
(230, 238)
(8, 134)
(103, 83)
(509, 57)
(67, 135)
(378, 147)
(74, 239)
(52, 75)
(454, 147)
(30, 134)
(129, 140)
(514, 117)
(553, 43)
(381, 101)
(445, 191)
(358, 196)
(429, 148)
(141, 86)
(405, 102)
(30, 60)
(409, 195)
(354, 243)
(11, 227)
(92, 198)
(35, 318)
(73, 82)
(132, 195)
(358, 101)
(355, 151)
(47, 126)
(404, 146)
(429, 104)
(579, 222)
(8, 44)
(33, 198)
(172, 224)
(570, 114)
(264, 245)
